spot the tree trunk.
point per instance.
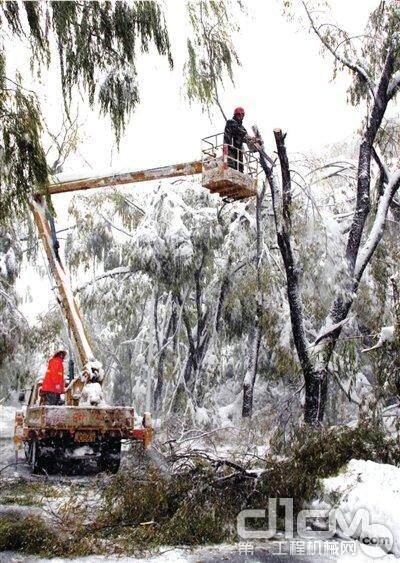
(255, 340)
(158, 391)
(251, 374)
(316, 386)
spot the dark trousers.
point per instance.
(51, 399)
(235, 158)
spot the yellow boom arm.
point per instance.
(172, 171)
(65, 295)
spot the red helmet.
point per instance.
(238, 110)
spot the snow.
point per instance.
(164, 555)
(386, 335)
(231, 412)
(7, 418)
(92, 394)
(202, 416)
(82, 451)
(11, 261)
(366, 485)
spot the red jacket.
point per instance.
(53, 381)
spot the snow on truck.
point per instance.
(53, 436)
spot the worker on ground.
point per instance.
(235, 135)
(53, 382)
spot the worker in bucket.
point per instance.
(53, 382)
(235, 135)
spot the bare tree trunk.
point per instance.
(158, 391)
(255, 340)
(396, 299)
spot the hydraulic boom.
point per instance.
(65, 296)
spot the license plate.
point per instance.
(85, 436)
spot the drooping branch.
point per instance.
(353, 66)
(389, 333)
(120, 271)
(386, 335)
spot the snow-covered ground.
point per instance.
(372, 489)
(217, 554)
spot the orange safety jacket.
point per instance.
(53, 381)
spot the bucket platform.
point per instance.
(230, 172)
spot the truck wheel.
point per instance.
(110, 457)
(27, 452)
(35, 458)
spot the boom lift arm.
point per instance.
(172, 171)
(232, 177)
(65, 296)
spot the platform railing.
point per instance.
(215, 153)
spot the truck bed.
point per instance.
(71, 417)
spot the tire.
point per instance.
(110, 458)
(27, 450)
(36, 460)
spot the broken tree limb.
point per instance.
(286, 180)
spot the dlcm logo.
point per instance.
(370, 534)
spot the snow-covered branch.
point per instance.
(327, 331)
(108, 274)
(386, 335)
(375, 235)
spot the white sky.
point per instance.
(283, 82)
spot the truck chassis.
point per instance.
(55, 435)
